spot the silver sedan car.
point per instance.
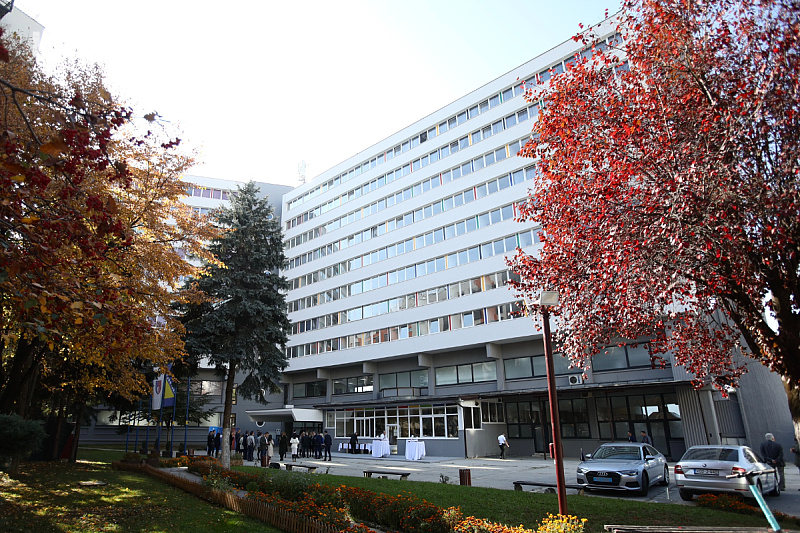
(705, 469)
(629, 466)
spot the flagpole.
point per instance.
(128, 433)
(186, 420)
(161, 413)
(147, 433)
(172, 421)
(138, 413)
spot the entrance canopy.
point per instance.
(286, 414)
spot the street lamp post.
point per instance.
(547, 300)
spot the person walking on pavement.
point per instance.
(646, 438)
(772, 453)
(631, 438)
(503, 443)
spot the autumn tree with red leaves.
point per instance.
(90, 225)
(669, 194)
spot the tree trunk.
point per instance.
(18, 385)
(73, 454)
(226, 416)
(59, 423)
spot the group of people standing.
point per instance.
(311, 444)
(260, 447)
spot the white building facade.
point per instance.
(402, 321)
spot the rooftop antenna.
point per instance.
(301, 171)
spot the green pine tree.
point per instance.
(244, 328)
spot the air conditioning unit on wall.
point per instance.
(576, 379)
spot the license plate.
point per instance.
(602, 480)
(705, 472)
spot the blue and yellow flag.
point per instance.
(163, 390)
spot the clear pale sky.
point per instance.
(256, 87)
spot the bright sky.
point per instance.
(258, 86)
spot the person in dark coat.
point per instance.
(283, 445)
(328, 441)
(353, 442)
(772, 453)
(210, 443)
(217, 444)
(318, 443)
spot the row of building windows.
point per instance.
(430, 326)
(658, 414)
(205, 192)
(413, 166)
(425, 421)
(507, 244)
(459, 118)
(430, 238)
(407, 301)
(464, 197)
(419, 139)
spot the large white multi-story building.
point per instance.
(402, 321)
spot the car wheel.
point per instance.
(665, 479)
(645, 484)
(686, 495)
(760, 487)
(777, 490)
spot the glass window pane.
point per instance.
(518, 368)
(446, 375)
(485, 371)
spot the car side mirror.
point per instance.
(648, 457)
(587, 455)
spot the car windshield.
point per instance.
(618, 452)
(712, 454)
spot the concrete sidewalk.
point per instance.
(501, 473)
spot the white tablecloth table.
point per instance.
(380, 448)
(415, 449)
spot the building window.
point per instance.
(574, 419)
(625, 356)
(213, 389)
(492, 412)
(471, 373)
(414, 378)
(352, 385)
(309, 390)
(427, 421)
(472, 418)
(521, 418)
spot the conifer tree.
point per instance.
(244, 327)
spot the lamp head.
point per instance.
(548, 298)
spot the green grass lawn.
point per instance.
(47, 498)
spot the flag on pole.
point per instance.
(163, 390)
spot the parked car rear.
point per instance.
(704, 469)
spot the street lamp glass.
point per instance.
(548, 298)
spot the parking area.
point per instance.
(501, 474)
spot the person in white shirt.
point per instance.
(503, 443)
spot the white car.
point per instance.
(705, 469)
(629, 466)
